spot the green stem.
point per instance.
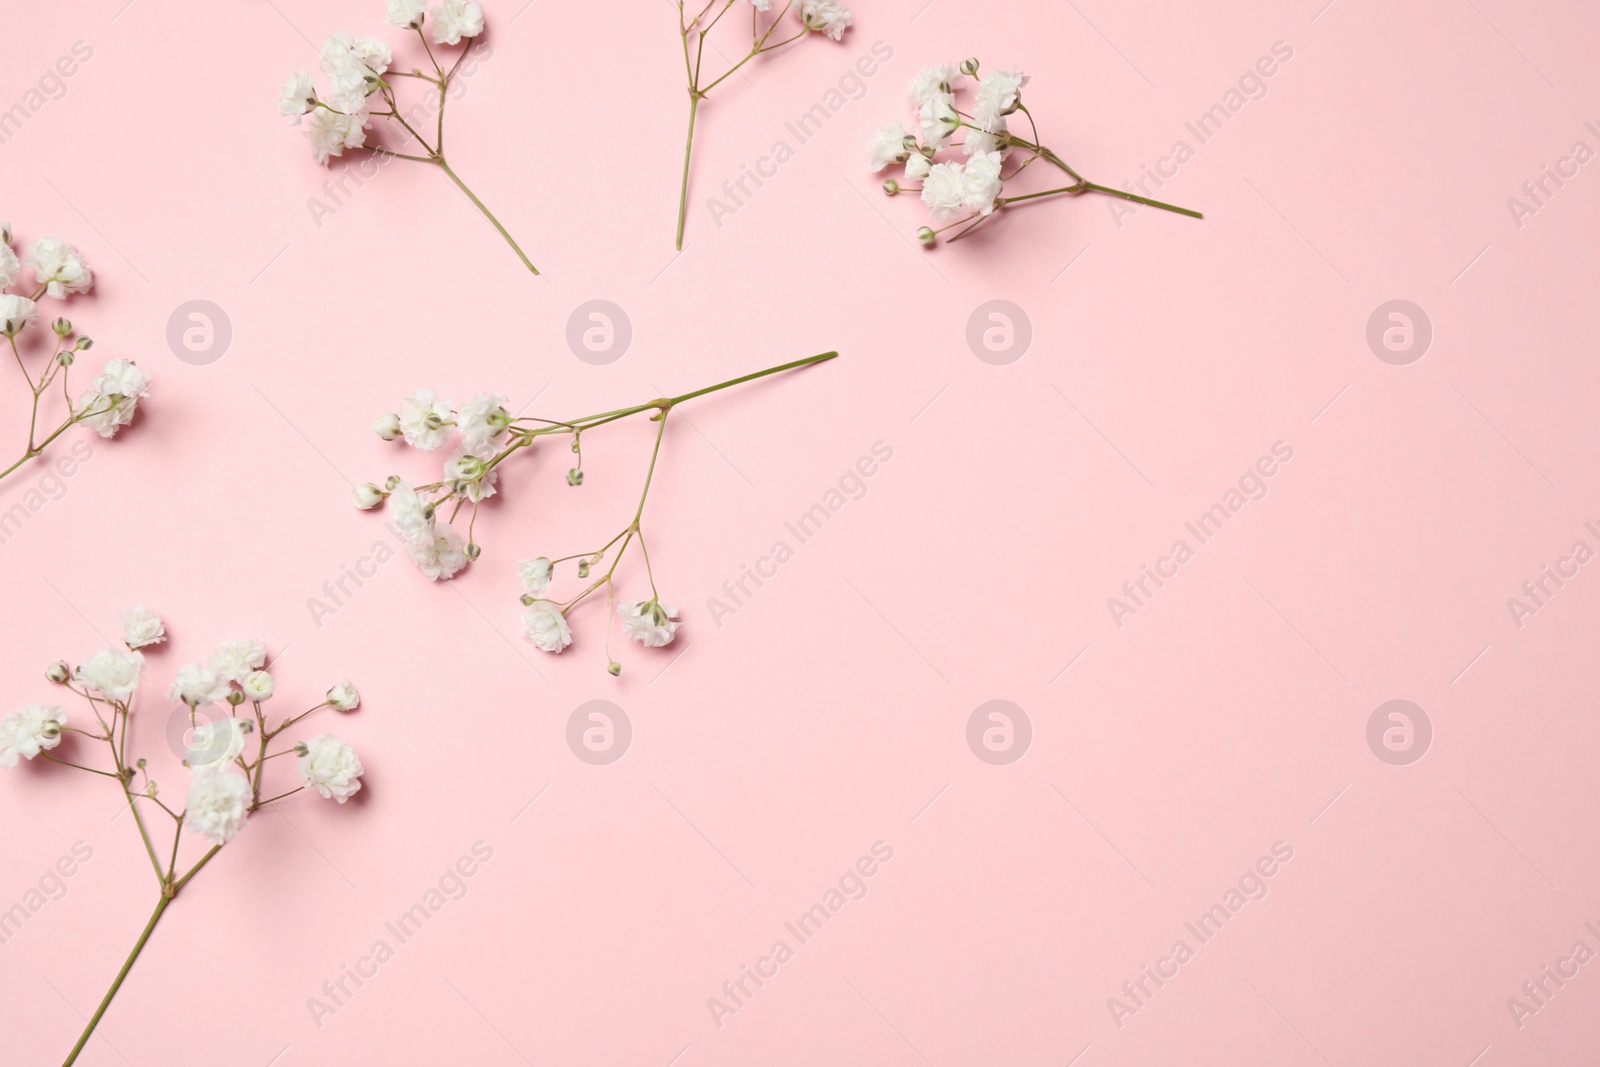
(1087, 186)
(486, 212)
(688, 147)
(127, 965)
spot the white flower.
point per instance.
(235, 659)
(761, 5)
(438, 555)
(411, 515)
(331, 767)
(888, 146)
(938, 80)
(215, 744)
(425, 420)
(258, 686)
(981, 182)
(942, 190)
(58, 267)
(978, 141)
(29, 731)
(216, 804)
(651, 623)
(917, 167)
(141, 627)
(112, 674)
(455, 19)
(939, 121)
(546, 627)
(343, 697)
(330, 133)
(347, 74)
(15, 311)
(109, 404)
(298, 96)
(196, 684)
(407, 13)
(825, 16)
(483, 421)
(373, 54)
(472, 473)
(534, 574)
(367, 496)
(10, 269)
(999, 94)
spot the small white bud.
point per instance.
(387, 426)
(891, 187)
(300, 748)
(62, 327)
(235, 697)
(969, 66)
(50, 729)
(58, 673)
(926, 237)
(368, 496)
(472, 551)
(614, 668)
(575, 476)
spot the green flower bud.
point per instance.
(62, 327)
(926, 237)
(575, 476)
(891, 187)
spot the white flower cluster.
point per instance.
(354, 67)
(222, 791)
(59, 271)
(950, 186)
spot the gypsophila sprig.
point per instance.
(231, 702)
(971, 191)
(362, 86)
(479, 438)
(108, 404)
(767, 21)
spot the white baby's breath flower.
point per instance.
(651, 623)
(938, 121)
(825, 16)
(425, 420)
(58, 267)
(29, 731)
(331, 767)
(484, 422)
(346, 73)
(235, 659)
(367, 496)
(761, 5)
(943, 190)
(15, 313)
(343, 697)
(546, 627)
(455, 19)
(258, 686)
(999, 94)
(938, 80)
(977, 142)
(472, 473)
(534, 574)
(112, 397)
(888, 146)
(373, 54)
(215, 744)
(216, 805)
(141, 627)
(111, 673)
(298, 96)
(981, 182)
(412, 516)
(196, 684)
(439, 555)
(10, 269)
(407, 13)
(917, 166)
(330, 133)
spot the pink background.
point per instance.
(831, 711)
